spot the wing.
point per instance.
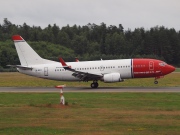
(84, 76)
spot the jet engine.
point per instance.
(112, 77)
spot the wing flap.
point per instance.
(85, 76)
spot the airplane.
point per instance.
(108, 71)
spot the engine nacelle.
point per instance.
(112, 77)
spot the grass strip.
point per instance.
(90, 113)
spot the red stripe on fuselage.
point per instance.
(143, 68)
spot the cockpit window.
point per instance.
(162, 64)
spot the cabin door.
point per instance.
(45, 71)
(151, 65)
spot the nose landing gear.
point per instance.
(155, 82)
(157, 77)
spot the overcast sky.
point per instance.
(130, 13)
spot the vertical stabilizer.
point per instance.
(27, 55)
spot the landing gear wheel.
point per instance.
(155, 82)
(94, 85)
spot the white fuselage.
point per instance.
(55, 71)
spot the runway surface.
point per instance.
(88, 89)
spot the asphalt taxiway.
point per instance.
(88, 89)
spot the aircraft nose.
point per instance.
(167, 69)
(170, 69)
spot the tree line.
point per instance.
(91, 42)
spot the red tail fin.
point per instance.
(17, 37)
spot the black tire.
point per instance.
(155, 82)
(94, 85)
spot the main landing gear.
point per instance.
(94, 84)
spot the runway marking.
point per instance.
(88, 89)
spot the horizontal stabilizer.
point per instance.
(21, 67)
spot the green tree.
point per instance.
(63, 39)
(55, 31)
(80, 45)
